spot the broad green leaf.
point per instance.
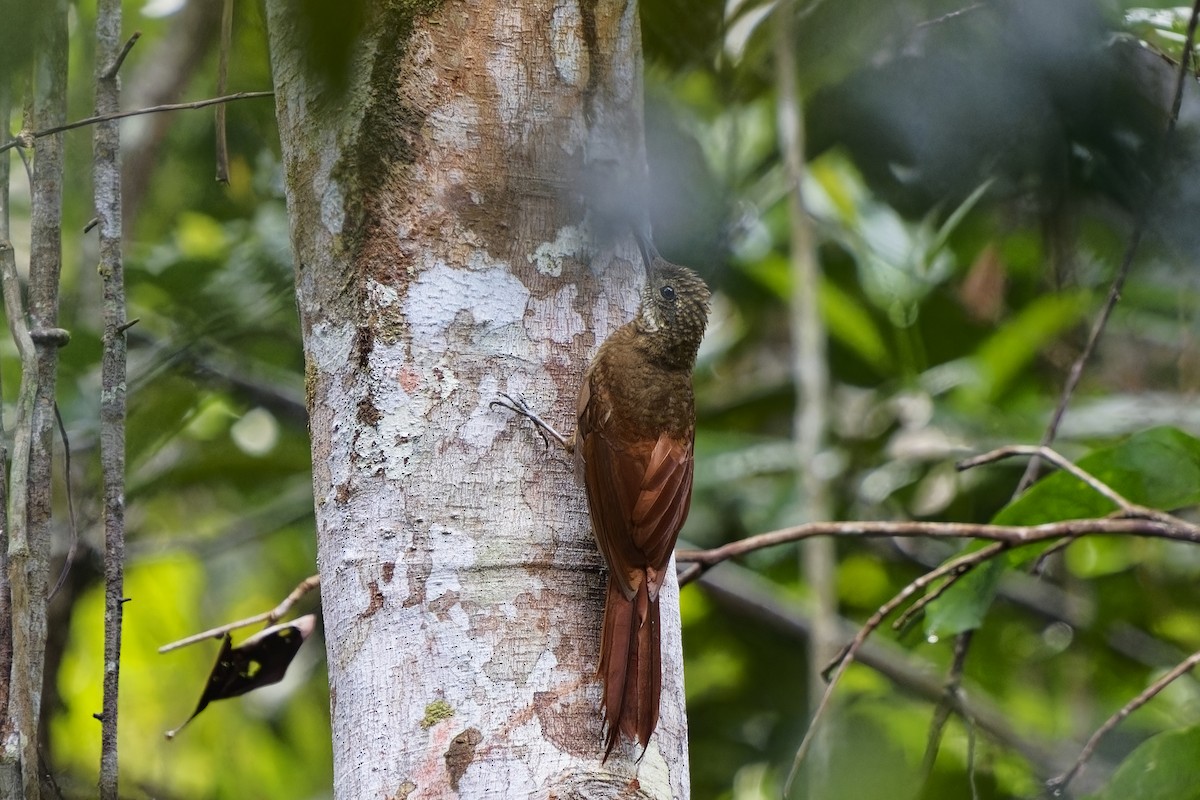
(1161, 768)
(1158, 468)
(966, 603)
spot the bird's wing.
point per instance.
(664, 499)
(638, 495)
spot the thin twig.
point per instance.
(30, 558)
(950, 701)
(1114, 292)
(1052, 456)
(950, 15)
(1039, 565)
(269, 617)
(748, 595)
(969, 722)
(22, 139)
(222, 84)
(1057, 785)
(115, 66)
(8, 770)
(846, 658)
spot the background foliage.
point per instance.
(975, 172)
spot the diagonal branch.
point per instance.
(1057, 785)
(1045, 453)
(269, 617)
(1135, 240)
(748, 595)
(847, 657)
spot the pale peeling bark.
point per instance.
(444, 253)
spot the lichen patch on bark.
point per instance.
(436, 712)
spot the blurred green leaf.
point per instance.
(1163, 768)
(849, 323)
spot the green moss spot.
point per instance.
(435, 712)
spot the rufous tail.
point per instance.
(630, 666)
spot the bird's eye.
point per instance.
(667, 293)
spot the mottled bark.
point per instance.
(445, 251)
(106, 177)
(29, 496)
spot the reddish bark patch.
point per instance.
(389, 570)
(376, 601)
(409, 379)
(461, 753)
(442, 605)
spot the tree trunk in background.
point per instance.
(442, 255)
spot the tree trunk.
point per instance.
(442, 254)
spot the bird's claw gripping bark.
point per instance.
(518, 406)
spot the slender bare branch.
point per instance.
(115, 66)
(269, 617)
(750, 595)
(1039, 565)
(950, 701)
(1016, 535)
(10, 779)
(30, 512)
(1135, 240)
(950, 15)
(106, 179)
(905, 619)
(222, 84)
(847, 657)
(24, 138)
(1057, 459)
(1060, 783)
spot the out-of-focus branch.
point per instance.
(810, 371)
